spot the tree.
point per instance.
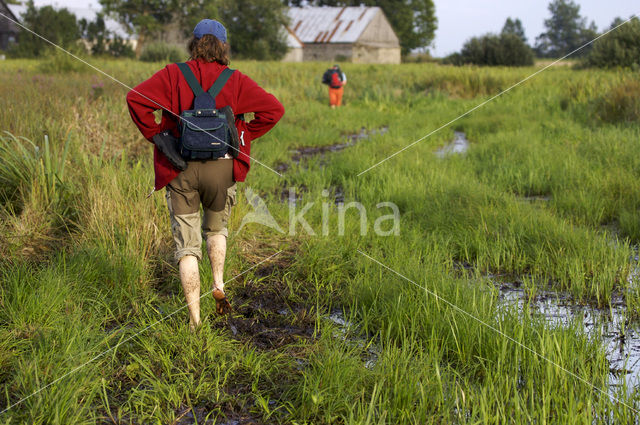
(95, 33)
(414, 21)
(189, 13)
(494, 50)
(566, 30)
(56, 25)
(101, 40)
(617, 21)
(619, 48)
(143, 17)
(255, 28)
(514, 27)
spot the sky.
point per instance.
(459, 20)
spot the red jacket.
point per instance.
(168, 88)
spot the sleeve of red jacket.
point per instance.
(267, 109)
(147, 97)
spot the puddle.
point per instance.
(297, 155)
(621, 341)
(460, 144)
(348, 332)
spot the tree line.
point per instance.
(255, 31)
(255, 27)
(566, 32)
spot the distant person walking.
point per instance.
(202, 168)
(336, 80)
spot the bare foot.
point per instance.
(222, 303)
(194, 326)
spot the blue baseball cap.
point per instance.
(209, 26)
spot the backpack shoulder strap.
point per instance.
(191, 79)
(220, 82)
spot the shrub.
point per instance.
(619, 48)
(119, 48)
(494, 50)
(59, 62)
(101, 41)
(25, 167)
(162, 52)
(620, 104)
(420, 58)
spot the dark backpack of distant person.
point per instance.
(332, 78)
(206, 132)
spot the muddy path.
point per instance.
(301, 154)
(267, 315)
(294, 195)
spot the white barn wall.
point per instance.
(379, 33)
(293, 55)
(368, 54)
(327, 52)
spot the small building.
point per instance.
(8, 30)
(295, 53)
(356, 34)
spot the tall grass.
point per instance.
(537, 196)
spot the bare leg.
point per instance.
(217, 250)
(190, 279)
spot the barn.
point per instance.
(8, 30)
(355, 34)
(295, 46)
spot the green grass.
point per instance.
(86, 267)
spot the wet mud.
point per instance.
(270, 317)
(205, 415)
(264, 317)
(294, 195)
(300, 154)
(266, 313)
(535, 198)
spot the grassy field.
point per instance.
(548, 193)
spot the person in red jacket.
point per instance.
(208, 183)
(336, 80)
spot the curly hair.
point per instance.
(210, 49)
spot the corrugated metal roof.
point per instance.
(292, 41)
(330, 24)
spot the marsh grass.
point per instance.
(620, 104)
(105, 272)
